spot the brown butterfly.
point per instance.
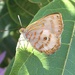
(45, 33)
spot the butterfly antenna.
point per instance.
(20, 20)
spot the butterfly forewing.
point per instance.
(52, 22)
(45, 33)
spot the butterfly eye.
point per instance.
(45, 38)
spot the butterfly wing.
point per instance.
(52, 22)
(44, 41)
(44, 34)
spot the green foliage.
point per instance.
(60, 63)
(9, 23)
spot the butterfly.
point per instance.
(45, 34)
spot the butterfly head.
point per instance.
(22, 30)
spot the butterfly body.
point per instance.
(45, 34)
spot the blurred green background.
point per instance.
(9, 24)
(62, 62)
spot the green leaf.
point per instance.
(60, 63)
(9, 23)
(7, 40)
(41, 3)
(23, 9)
(9, 67)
